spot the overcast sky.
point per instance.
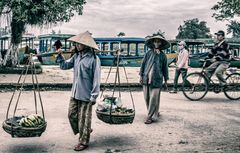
(137, 18)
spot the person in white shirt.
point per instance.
(181, 64)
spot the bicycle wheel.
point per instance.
(232, 89)
(195, 86)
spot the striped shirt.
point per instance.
(220, 51)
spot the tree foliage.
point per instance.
(234, 28)
(226, 9)
(38, 12)
(193, 29)
(159, 32)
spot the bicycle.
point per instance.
(196, 85)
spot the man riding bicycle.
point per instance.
(219, 56)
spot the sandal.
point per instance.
(80, 147)
(148, 121)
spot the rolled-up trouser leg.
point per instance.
(85, 120)
(146, 94)
(219, 72)
(154, 103)
(73, 114)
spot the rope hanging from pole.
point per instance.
(110, 118)
(11, 125)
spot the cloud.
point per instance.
(139, 18)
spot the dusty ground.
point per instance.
(210, 125)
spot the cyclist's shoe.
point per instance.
(223, 86)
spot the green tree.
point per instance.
(234, 28)
(35, 12)
(121, 34)
(226, 9)
(159, 32)
(193, 29)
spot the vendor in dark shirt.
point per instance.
(154, 70)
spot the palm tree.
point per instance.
(234, 28)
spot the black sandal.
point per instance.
(80, 147)
(148, 121)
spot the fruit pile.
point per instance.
(117, 106)
(122, 111)
(32, 120)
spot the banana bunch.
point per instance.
(32, 120)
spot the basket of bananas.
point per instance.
(25, 126)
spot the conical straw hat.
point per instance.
(149, 42)
(85, 39)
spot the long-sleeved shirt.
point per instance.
(220, 51)
(183, 58)
(156, 64)
(87, 75)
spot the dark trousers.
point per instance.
(80, 118)
(182, 71)
(152, 99)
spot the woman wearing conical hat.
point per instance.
(86, 85)
(154, 70)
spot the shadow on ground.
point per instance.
(114, 143)
(27, 148)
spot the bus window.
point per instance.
(132, 50)
(125, 49)
(174, 49)
(115, 46)
(99, 47)
(141, 49)
(105, 46)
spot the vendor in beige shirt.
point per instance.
(181, 64)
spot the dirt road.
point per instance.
(210, 125)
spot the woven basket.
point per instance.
(11, 127)
(115, 118)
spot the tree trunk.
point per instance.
(11, 57)
(1, 59)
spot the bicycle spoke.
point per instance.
(232, 89)
(195, 86)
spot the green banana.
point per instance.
(30, 122)
(26, 122)
(21, 122)
(40, 119)
(33, 118)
